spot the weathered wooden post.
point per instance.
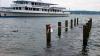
(90, 22)
(66, 25)
(88, 25)
(75, 22)
(71, 26)
(86, 32)
(48, 35)
(84, 36)
(59, 29)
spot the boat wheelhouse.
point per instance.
(32, 8)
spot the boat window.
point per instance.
(16, 8)
(17, 3)
(34, 9)
(32, 3)
(29, 8)
(60, 10)
(19, 8)
(26, 2)
(35, 3)
(55, 10)
(45, 9)
(51, 10)
(48, 10)
(26, 8)
(37, 9)
(42, 4)
(21, 2)
(4, 14)
(39, 3)
(42, 9)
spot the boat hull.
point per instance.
(20, 14)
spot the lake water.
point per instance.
(26, 37)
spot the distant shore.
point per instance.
(84, 12)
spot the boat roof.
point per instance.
(36, 2)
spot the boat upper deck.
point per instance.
(33, 7)
(33, 3)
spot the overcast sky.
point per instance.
(72, 4)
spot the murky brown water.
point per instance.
(26, 37)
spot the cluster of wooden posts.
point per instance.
(73, 23)
(86, 32)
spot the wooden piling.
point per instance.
(90, 22)
(59, 29)
(87, 29)
(75, 22)
(88, 26)
(86, 32)
(71, 26)
(84, 36)
(48, 35)
(66, 25)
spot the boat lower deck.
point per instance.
(29, 14)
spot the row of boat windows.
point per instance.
(32, 3)
(36, 9)
(39, 4)
(22, 2)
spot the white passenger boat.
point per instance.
(32, 8)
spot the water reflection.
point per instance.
(85, 51)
